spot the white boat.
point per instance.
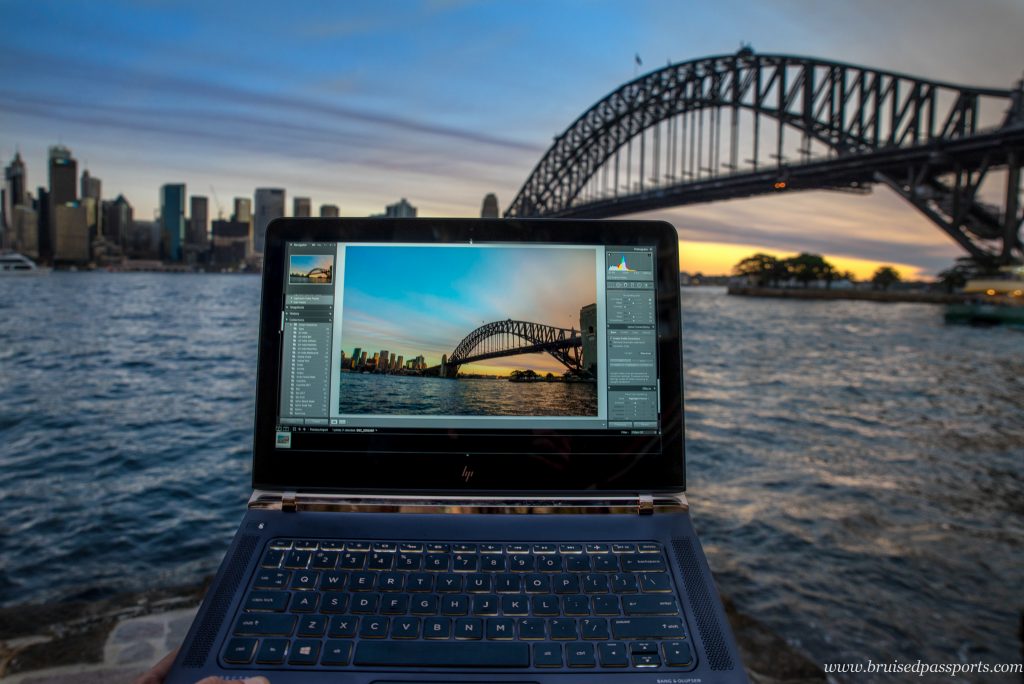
(13, 263)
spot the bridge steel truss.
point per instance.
(925, 140)
(509, 338)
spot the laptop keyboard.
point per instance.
(330, 604)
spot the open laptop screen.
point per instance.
(471, 354)
(389, 337)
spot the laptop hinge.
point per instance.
(635, 504)
(645, 505)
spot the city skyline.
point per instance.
(415, 301)
(352, 108)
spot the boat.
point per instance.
(995, 300)
(12, 263)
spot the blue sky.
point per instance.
(442, 101)
(425, 300)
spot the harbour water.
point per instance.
(856, 470)
(363, 393)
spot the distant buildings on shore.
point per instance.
(381, 362)
(68, 223)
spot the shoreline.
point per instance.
(116, 639)
(859, 295)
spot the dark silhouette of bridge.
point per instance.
(749, 124)
(316, 272)
(510, 338)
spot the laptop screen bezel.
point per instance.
(382, 464)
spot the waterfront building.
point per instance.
(400, 209)
(391, 362)
(143, 240)
(490, 206)
(269, 206)
(382, 364)
(24, 231)
(116, 220)
(91, 186)
(243, 210)
(172, 221)
(231, 240)
(14, 195)
(71, 233)
(63, 176)
(199, 221)
(302, 207)
(400, 363)
(362, 359)
(329, 211)
(355, 355)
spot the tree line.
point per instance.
(805, 268)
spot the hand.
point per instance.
(160, 670)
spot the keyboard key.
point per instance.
(531, 628)
(390, 581)
(380, 561)
(613, 654)
(515, 605)
(595, 584)
(332, 580)
(297, 559)
(449, 582)
(437, 548)
(410, 547)
(625, 584)
(594, 628)
(306, 544)
(271, 579)
(549, 564)
(677, 653)
(570, 548)
(420, 581)
(272, 651)
(239, 651)
(597, 548)
(492, 563)
(395, 605)
(268, 624)
(517, 548)
(544, 548)
(464, 548)
(577, 564)
(336, 652)
(405, 628)
(490, 548)
(648, 548)
(606, 563)
(334, 602)
(507, 584)
(545, 606)
(267, 600)
(280, 544)
(343, 626)
(521, 563)
(312, 626)
(304, 652)
(478, 583)
(365, 603)
(537, 584)
(361, 581)
(465, 563)
(272, 558)
(580, 654)
(455, 604)
(304, 602)
(485, 604)
(647, 628)
(424, 605)
(658, 582)
(563, 629)
(324, 560)
(606, 604)
(650, 605)
(623, 548)
(566, 584)
(638, 562)
(374, 627)
(501, 628)
(385, 547)
(305, 579)
(409, 561)
(351, 560)
(358, 546)
(331, 546)
(547, 655)
(424, 654)
(576, 605)
(646, 660)
(468, 628)
(437, 628)
(435, 563)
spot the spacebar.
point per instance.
(434, 654)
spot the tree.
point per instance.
(965, 268)
(761, 268)
(885, 277)
(807, 268)
(848, 275)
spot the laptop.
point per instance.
(468, 463)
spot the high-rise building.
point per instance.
(24, 231)
(117, 220)
(91, 186)
(243, 210)
(172, 221)
(231, 242)
(302, 207)
(490, 206)
(400, 209)
(63, 171)
(269, 206)
(71, 236)
(199, 221)
(14, 192)
(329, 211)
(362, 359)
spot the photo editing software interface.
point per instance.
(492, 337)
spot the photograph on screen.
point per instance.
(455, 331)
(311, 269)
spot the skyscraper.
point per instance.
(329, 211)
(302, 207)
(400, 209)
(490, 206)
(172, 221)
(91, 186)
(63, 176)
(117, 220)
(269, 206)
(199, 221)
(14, 196)
(243, 210)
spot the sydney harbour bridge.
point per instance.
(511, 338)
(748, 124)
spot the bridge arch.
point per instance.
(511, 338)
(716, 128)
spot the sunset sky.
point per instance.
(442, 101)
(425, 300)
